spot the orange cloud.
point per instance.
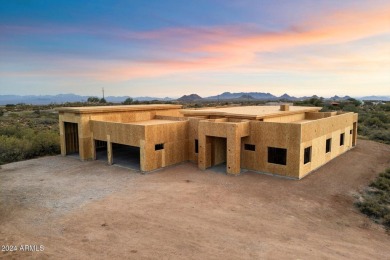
(223, 49)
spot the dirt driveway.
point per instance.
(88, 210)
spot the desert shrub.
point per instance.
(13, 115)
(375, 201)
(381, 183)
(374, 122)
(26, 144)
(379, 135)
(372, 208)
(46, 121)
(386, 220)
(12, 149)
(93, 100)
(28, 134)
(351, 108)
(128, 101)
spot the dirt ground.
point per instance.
(88, 210)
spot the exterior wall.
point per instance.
(232, 131)
(271, 134)
(174, 136)
(134, 116)
(286, 119)
(66, 117)
(193, 125)
(86, 136)
(315, 133)
(220, 139)
(119, 133)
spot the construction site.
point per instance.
(284, 140)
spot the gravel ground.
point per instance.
(89, 210)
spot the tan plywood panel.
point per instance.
(315, 134)
(221, 133)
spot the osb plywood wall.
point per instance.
(315, 133)
(270, 134)
(174, 137)
(219, 139)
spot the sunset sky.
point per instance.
(171, 48)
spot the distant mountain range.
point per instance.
(270, 97)
(252, 96)
(63, 98)
(382, 98)
(188, 98)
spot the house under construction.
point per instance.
(284, 140)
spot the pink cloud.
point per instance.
(226, 48)
(223, 48)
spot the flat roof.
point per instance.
(250, 112)
(104, 109)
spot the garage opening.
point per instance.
(216, 153)
(101, 150)
(126, 156)
(71, 138)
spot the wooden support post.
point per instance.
(62, 138)
(93, 148)
(202, 160)
(109, 151)
(143, 157)
(233, 151)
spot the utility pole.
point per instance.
(103, 92)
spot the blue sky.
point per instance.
(171, 48)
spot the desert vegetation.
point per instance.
(26, 134)
(375, 200)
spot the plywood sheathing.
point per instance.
(221, 134)
(127, 134)
(284, 107)
(249, 112)
(146, 134)
(193, 126)
(272, 134)
(315, 133)
(172, 118)
(286, 118)
(232, 131)
(174, 136)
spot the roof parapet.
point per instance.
(284, 107)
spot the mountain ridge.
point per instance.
(70, 97)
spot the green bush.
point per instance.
(28, 134)
(375, 201)
(16, 147)
(128, 101)
(379, 135)
(372, 208)
(386, 220)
